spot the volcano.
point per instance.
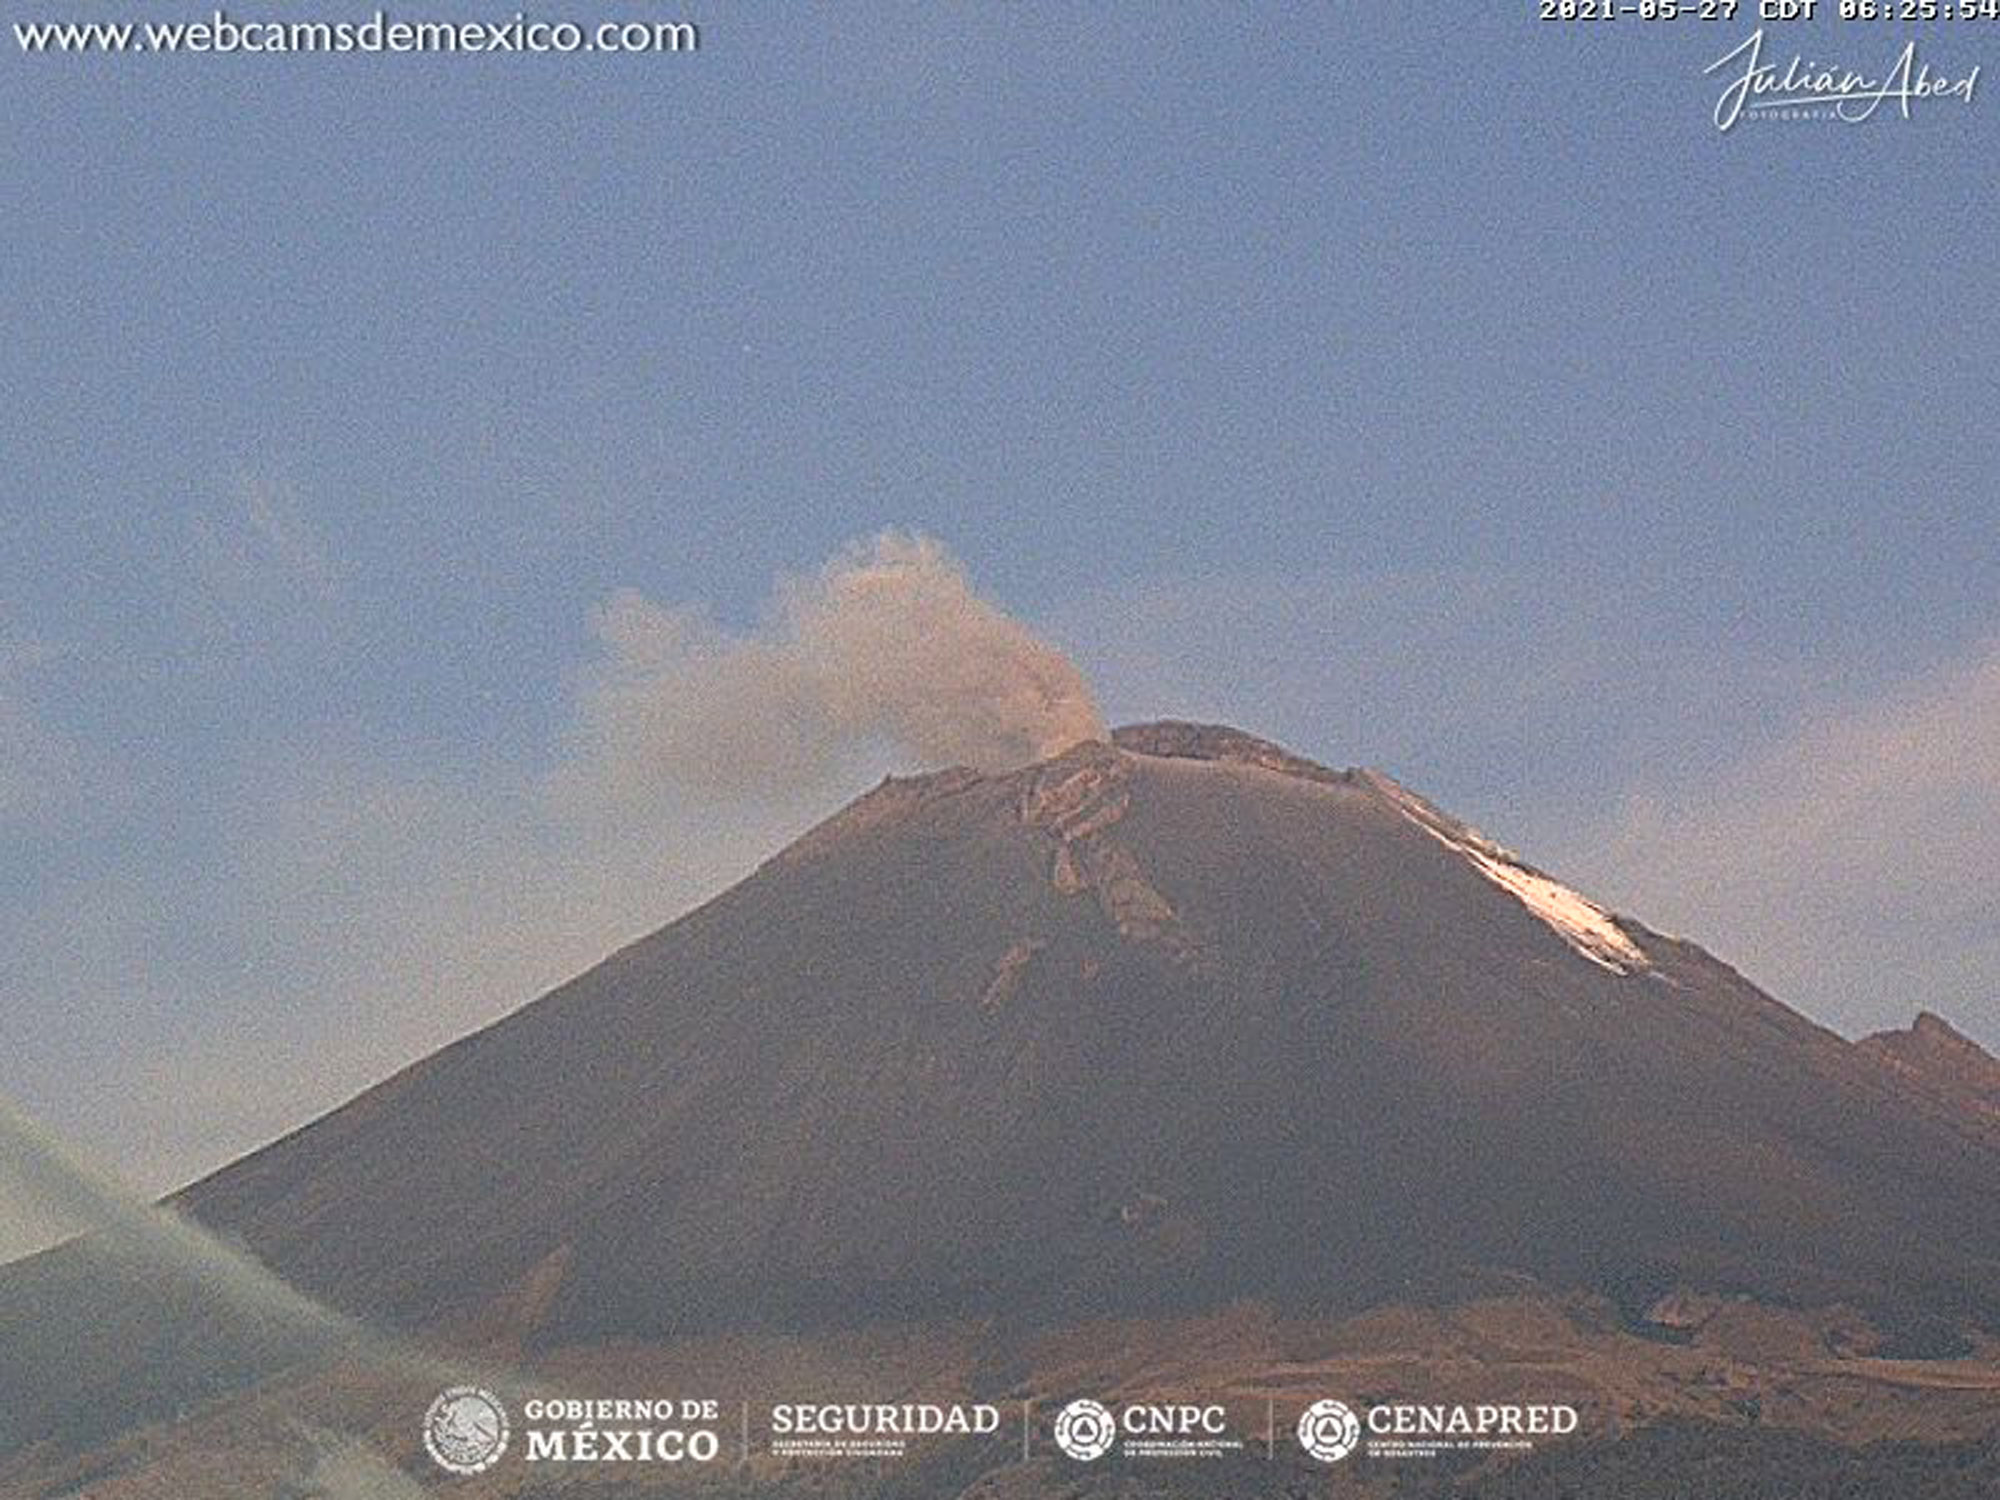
(1170, 1020)
(1154, 1027)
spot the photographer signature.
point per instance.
(1851, 96)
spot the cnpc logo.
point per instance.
(1088, 1430)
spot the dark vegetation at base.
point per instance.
(1677, 1460)
(1683, 1461)
(99, 1340)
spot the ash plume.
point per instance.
(887, 645)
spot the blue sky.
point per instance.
(1448, 396)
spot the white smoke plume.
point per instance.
(887, 645)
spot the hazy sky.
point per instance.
(1450, 397)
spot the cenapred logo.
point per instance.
(465, 1430)
(1329, 1431)
(1086, 1429)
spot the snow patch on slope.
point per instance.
(1588, 928)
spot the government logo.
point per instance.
(465, 1430)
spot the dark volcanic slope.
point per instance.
(1177, 1021)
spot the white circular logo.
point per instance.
(1085, 1430)
(1329, 1431)
(465, 1431)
